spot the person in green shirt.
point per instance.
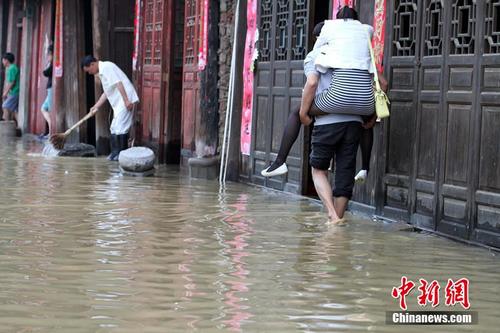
(11, 89)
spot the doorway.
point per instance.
(321, 10)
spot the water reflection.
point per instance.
(234, 242)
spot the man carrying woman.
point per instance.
(339, 93)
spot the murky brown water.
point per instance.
(83, 249)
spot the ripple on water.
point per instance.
(84, 249)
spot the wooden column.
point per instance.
(25, 65)
(70, 89)
(100, 30)
(233, 165)
(4, 24)
(12, 28)
(208, 119)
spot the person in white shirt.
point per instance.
(344, 48)
(121, 94)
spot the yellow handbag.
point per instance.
(381, 100)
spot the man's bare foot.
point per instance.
(336, 222)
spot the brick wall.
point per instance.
(226, 36)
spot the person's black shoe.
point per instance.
(114, 148)
(122, 143)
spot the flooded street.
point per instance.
(83, 249)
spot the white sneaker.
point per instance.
(281, 170)
(361, 176)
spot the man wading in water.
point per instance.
(121, 94)
(349, 96)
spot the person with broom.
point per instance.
(120, 93)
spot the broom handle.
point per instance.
(81, 121)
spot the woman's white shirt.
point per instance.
(344, 44)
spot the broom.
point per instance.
(58, 139)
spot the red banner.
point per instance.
(379, 33)
(59, 38)
(203, 52)
(137, 20)
(338, 4)
(248, 77)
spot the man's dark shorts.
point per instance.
(341, 141)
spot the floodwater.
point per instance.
(83, 249)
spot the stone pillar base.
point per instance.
(204, 168)
(8, 129)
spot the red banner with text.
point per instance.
(203, 50)
(248, 77)
(379, 18)
(59, 40)
(137, 20)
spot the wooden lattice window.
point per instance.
(190, 27)
(148, 31)
(266, 19)
(299, 26)
(179, 33)
(433, 28)
(463, 26)
(405, 28)
(492, 27)
(282, 37)
(158, 35)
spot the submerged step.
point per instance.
(7, 129)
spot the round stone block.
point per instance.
(147, 173)
(137, 159)
(7, 129)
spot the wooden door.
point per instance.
(121, 33)
(423, 196)
(486, 149)
(396, 169)
(485, 196)
(152, 68)
(42, 38)
(279, 79)
(173, 99)
(456, 124)
(441, 163)
(190, 76)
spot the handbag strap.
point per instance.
(372, 55)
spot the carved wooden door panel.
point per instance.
(190, 80)
(152, 67)
(397, 158)
(279, 79)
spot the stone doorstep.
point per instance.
(204, 167)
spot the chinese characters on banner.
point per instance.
(136, 33)
(338, 4)
(379, 33)
(203, 51)
(456, 292)
(248, 77)
(58, 47)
